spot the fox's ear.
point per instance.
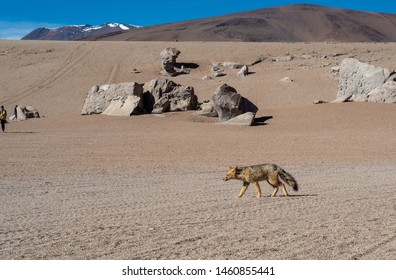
(230, 167)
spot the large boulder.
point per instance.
(30, 112)
(122, 99)
(168, 60)
(246, 119)
(385, 93)
(363, 82)
(229, 104)
(125, 107)
(25, 112)
(167, 96)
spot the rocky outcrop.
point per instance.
(363, 82)
(167, 96)
(25, 112)
(125, 107)
(228, 103)
(385, 93)
(122, 99)
(126, 99)
(246, 119)
(168, 57)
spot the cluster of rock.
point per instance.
(162, 95)
(217, 69)
(363, 82)
(24, 113)
(127, 99)
(230, 107)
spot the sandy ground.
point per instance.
(150, 187)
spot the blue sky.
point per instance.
(19, 17)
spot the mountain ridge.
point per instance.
(77, 32)
(292, 23)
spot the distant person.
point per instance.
(3, 117)
(15, 112)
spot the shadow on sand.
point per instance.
(261, 120)
(20, 132)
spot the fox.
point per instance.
(272, 173)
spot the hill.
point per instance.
(293, 23)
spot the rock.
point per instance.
(319, 102)
(229, 104)
(215, 68)
(123, 108)
(181, 98)
(207, 109)
(385, 93)
(30, 112)
(306, 56)
(233, 65)
(246, 119)
(286, 80)
(100, 97)
(217, 64)
(357, 80)
(243, 72)
(207, 78)
(338, 54)
(168, 57)
(161, 106)
(335, 70)
(284, 58)
(219, 74)
(184, 70)
(25, 112)
(20, 114)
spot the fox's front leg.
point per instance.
(244, 188)
(258, 190)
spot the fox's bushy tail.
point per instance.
(288, 179)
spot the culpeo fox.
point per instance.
(272, 173)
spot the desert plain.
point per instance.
(150, 186)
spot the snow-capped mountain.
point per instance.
(77, 32)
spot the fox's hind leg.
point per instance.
(284, 189)
(258, 190)
(244, 188)
(274, 182)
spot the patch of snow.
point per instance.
(123, 27)
(90, 28)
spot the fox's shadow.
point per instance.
(296, 195)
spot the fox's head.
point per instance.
(231, 173)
